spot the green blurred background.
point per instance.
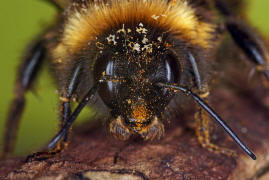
(21, 20)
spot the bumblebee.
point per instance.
(136, 57)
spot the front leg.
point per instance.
(65, 112)
(203, 134)
(203, 125)
(202, 131)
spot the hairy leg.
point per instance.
(203, 134)
(26, 77)
(248, 40)
(65, 113)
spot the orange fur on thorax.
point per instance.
(178, 18)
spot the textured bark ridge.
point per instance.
(93, 154)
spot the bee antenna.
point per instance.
(213, 114)
(73, 117)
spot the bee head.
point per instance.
(129, 66)
(130, 47)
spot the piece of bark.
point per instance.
(93, 154)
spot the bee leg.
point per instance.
(65, 128)
(65, 109)
(65, 112)
(203, 134)
(26, 76)
(251, 45)
(244, 37)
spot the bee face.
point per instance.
(130, 47)
(129, 65)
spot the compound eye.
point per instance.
(105, 68)
(167, 70)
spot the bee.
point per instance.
(135, 57)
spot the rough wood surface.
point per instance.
(93, 154)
